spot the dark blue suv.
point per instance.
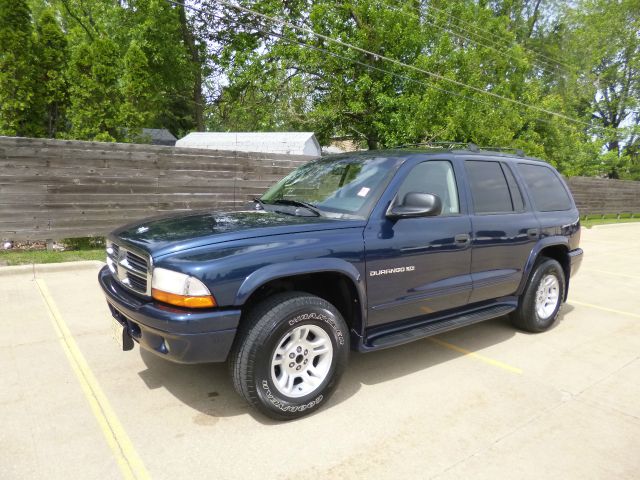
(359, 251)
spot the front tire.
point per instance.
(290, 354)
(540, 303)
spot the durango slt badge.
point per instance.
(374, 273)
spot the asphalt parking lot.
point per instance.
(485, 401)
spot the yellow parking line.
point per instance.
(128, 460)
(477, 356)
(606, 309)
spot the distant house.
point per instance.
(158, 136)
(293, 143)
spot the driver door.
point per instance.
(419, 266)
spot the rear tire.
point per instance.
(289, 355)
(540, 303)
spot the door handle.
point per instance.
(462, 238)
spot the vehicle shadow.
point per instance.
(207, 388)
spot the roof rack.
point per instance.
(447, 145)
(472, 147)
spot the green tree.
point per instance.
(505, 47)
(359, 94)
(136, 87)
(95, 94)
(51, 52)
(16, 70)
(605, 47)
(156, 26)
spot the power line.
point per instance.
(370, 67)
(550, 59)
(379, 56)
(545, 68)
(384, 57)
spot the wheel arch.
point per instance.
(335, 280)
(556, 248)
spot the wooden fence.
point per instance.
(600, 196)
(51, 189)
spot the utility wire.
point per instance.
(396, 8)
(302, 43)
(286, 23)
(500, 39)
(384, 58)
(550, 69)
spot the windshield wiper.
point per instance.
(298, 203)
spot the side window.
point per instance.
(436, 177)
(516, 194)
(546, 188)
(488, 187)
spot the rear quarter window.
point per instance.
(489, 187)
(547, 191)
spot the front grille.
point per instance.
(137, 283)
(130, 269)
(137, 262)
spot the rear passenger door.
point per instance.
(505, 229)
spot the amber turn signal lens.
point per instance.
(205, 301)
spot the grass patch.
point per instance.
(27, 257)
(590, 222)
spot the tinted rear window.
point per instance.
(545, 187)
(488, 187)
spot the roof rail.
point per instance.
(472, 147)
(517, 151)
(446, 145)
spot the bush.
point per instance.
(83, 243)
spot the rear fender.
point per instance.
(535, 253)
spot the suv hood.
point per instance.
(176, 232)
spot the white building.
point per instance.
(293, 143)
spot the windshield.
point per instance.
(337, 187)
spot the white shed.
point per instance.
(293, 143)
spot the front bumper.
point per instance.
(575, 259)
(179, 335)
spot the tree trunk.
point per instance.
(190, 42)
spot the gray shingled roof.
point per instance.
(159, 136)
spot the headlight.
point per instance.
(179, 289)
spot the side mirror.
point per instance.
(416, 204)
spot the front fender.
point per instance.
(300, 267)
(550, 241)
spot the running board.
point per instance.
(392, 339)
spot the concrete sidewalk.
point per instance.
(485, 401)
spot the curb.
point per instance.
(36, 268)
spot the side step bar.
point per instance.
(416, 332)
